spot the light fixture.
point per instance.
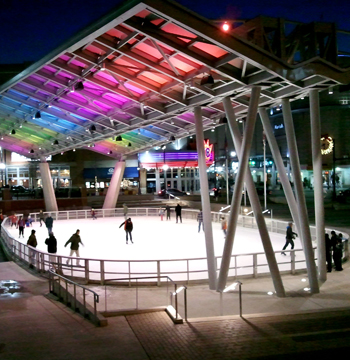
(79, 86)
(71, 90)
(110, 152)
(74, 149)
(118, 138)
(129, 144)
(163, 147)
(207, 80)
(20, 126)
(330, 90)
(213, 129)
(32, 151)
(165, 167)
(92, 128)
(55, 142)
(172, 138)
(225, 26)
(103, 67)
(38, 115)
(62, 153)
(191, 137)
(13, 132)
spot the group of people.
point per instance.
(334, 249)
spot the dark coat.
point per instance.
(49, 222)
(51, 243)
(32, 241)
(178, 209)
(290, 235)
(128, 226)
(74, 240)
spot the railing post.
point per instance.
(185, 303)
(158, 273)
(75, 297)
(188, 269)
(292, 262)
(255, 265)
(102, 271)
(175, 300)
(84, 297)
(137, 295)
(129, 272)
(87, 270)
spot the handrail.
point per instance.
(68, 281)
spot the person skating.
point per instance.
(290, 235)
(51, 243)
(178, 212)
(161, 213)
(128, 227)
(41, 218)
(93, 214)
(200, 220)
(13, 219)
(74, 240)
(167, 209)
(125, 211)
(49, 223)
(33, 243)
(224, 225)
(20, 226)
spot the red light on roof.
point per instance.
(225, 26)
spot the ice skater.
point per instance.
(33, 243)
(200, 220)
(290, 235)
(224, 225)
(161, 213)
(51, 243)
(74, 240)
(93, 214)
(49, 223)
(125, 211)
(167, 209)
(20, 226)
(128, 227)
(41, 218)
(13, 219)
(178, 213)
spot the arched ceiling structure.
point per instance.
(138, 72)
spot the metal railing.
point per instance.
(54, 277)
(184, 270)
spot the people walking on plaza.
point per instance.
(338, 254)
(20, 226)
(41, 218)
(13, 219)
(49, 223)
(51, 243)
(125, 211)
(167, 208)
(161, 213)
(178, 213)
(290, 235)
(200, 220)
(33, 243)
(93, 214)
(224, 225)
(128, 227)
(74, 240)
(328, 252)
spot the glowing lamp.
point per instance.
(225, 26)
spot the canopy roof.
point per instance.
(138, 72)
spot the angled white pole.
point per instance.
(299, 192)
(254, 200)
(203, 178)
(49, 192)
(276, 154)
(318, 183)
(114, 187)
(237, 193)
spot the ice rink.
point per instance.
(153, 239)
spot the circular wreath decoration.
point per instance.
(327, 145)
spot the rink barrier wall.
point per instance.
(180, 270)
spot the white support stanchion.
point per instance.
(237, 193)
(254, 200)
(318, 183)
(49, 192)
(203, 178)
(114, 188)
(276, 154)
(299, 192)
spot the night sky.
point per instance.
(31, 28)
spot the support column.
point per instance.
(203, 177)
(157, 181)
(114, 187)
(299, 192)
(179, 187)
(318, 183)
(255, 202)
(143, 181)
(237, 193)
(280, 168)
(49, 192)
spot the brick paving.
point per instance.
(299, 335)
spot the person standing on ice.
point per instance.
(178, 213)
(125, 210)
(161, 213)
(167, 208)
(74, 248)
(128, 227)
(49, 223)
(93, 214)
(200, 220)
